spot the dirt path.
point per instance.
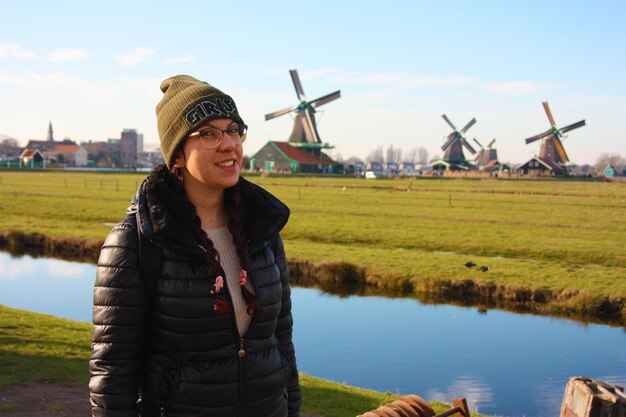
(47, 400)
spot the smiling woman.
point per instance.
(192, 303)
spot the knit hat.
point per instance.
(188, 103)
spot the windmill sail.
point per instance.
(455, 142)
(552, 151)
(304, 125)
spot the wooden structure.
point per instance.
(32, 158)
(585, 397)
(487, 158)
(415, 406)
(552, 153)
(453, 158)
(282, 157)
(304, 134)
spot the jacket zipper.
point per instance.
(241, 359)
(241, 353)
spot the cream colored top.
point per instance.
(229, 260)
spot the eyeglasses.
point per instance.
(212, 136)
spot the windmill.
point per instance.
(552, 151)
(304, 133)
(486, 155)
(453, 147)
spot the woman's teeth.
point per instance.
(226, 163)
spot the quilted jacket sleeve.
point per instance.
(118, 316)
(284, 329)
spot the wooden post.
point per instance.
(461, 404)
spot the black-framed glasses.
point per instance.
(212, 136)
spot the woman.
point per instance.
(192, 308)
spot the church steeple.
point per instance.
(50, 134)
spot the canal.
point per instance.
(503, 363)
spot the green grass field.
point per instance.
(563, 237)
(39, 348)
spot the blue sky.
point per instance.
(94, 69)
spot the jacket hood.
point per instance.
(161, 209)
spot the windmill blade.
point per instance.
(546, 107)
(560, 150)
(539, 136)
(448, 121)
(297, 84)
(309, 128)
(468, 125)
(573, 126)
(448, 142)
(279, 113)
(325, 99)
(491, 143)
(476, 140)
(467, 145)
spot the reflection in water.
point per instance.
(502, 363)
(477, 393)
(50, 286)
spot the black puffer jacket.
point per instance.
(167, 343)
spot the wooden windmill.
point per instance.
(485, 155)
(552, 151)
(453, 156)
(304, 133)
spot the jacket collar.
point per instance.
(160, 211)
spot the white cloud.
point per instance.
(519, 88)
(178, 60)
(55, 269)
(135, 56)
(15, 270)
(54, 81)
(13, 50)
(67, 54)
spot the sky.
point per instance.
(94, 69)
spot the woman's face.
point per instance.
(216, 168)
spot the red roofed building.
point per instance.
(69, 152)
(284, 157)
(31, 157)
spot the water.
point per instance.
(503, 363)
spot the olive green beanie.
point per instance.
(188, 103)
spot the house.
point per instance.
(609, 171)
(408, 169)
(376, 167)
(355, 166)
(539, 168)
(277, 156)
(33, 158)
(69, 153)
(392, 169)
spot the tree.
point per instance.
(376, 155)
(422, 156)
(411, 155)
(614, 159)
(9, 146)
(393, 154)
(390, 154)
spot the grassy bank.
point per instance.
(37, 348)
(552, 247)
